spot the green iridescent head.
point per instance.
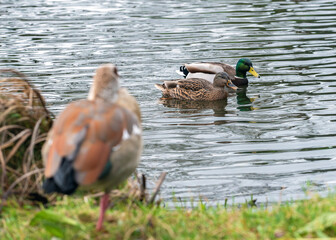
(243, 66)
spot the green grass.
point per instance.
(75, 218)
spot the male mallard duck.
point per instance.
(207, 70)
(197, 89)
(96, 142)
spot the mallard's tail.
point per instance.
(183, 71)
(161, 87)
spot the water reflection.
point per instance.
(236, 148)
(244, 102)
(217, 106)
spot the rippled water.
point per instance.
(268, 140)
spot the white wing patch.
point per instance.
(125, 135)
(136, 130)
(115, 148)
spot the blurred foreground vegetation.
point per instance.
(75, 218)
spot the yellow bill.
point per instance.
(253, 72)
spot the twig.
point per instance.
(6, 194)
(94, 195)
(157, 188)
(32, 142)
(9, 169)
(7, 112)
(16, 147)
(4, 128)
(12, 140)
(21, 75)
(3, 171)
(143, 188)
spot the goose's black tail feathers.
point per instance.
(63, 181)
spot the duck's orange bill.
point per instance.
(231, 85)
(253, 72)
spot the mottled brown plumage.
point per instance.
(197, 89)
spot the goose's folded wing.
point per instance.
(86, 133)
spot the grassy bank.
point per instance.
(74, 218)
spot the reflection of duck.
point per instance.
(207, 70)
(243, 100)
(197, 89)
(218, 106)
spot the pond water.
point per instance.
(270, 140)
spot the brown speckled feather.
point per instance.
(193, 89)
(87, 131)
(194, 84)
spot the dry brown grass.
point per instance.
(24, 124)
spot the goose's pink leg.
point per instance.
(104, 203)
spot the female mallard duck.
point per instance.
(96, 142)
(207, 70)
(197, 89)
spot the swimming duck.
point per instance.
(207, 70)
(94, 143)
(197, 89)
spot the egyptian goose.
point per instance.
(197, 89)
(207, 70)
(94, 143)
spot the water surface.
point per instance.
(268, 140)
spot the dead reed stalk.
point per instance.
(24, 123)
